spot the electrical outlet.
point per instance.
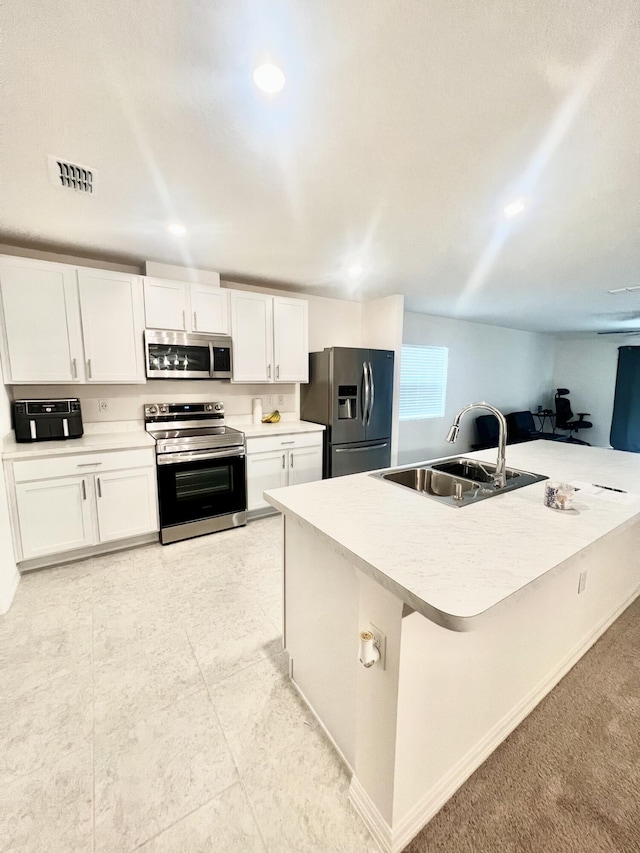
(582, 582)
(281, 399)
(269, 401)
(381, 643)
(103, 405)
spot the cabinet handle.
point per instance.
(195, 322)
(269, 372)
(74, 368)
(291, 460)
(184, 321)
(89, 368)
(87, 464)
(277, 371)
(283, 457)
(84, 491)
(99, 487)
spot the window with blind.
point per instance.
(423, 382)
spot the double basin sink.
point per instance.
(460, 481)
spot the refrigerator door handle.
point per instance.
(372, 394)
(367, 391)
(361, 449)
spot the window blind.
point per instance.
(423, 382)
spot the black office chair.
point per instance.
(487, 432)
(564, 417)
(522, 427)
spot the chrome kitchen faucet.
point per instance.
(500, 477)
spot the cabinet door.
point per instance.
(42, 323)
(112, 326)
(126, 502)
(291, 339)
(305, 465)
(209, 309)
(165, 304)
(265, 471)
(54, 515)
(252, 336)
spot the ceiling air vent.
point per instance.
(72, 176)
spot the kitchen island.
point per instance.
(480, 611)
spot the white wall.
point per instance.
(511, 369)
(9, 575)
(587, 366)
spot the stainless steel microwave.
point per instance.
(176, 355)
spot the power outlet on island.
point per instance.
(381, 643)
(582, 582)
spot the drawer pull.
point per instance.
(287, 442)
(87, 464)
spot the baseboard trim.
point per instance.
(7, 599)
(82, 553)
(395, 839)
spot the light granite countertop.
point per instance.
(281, 428)
(455, 564)
(111, 435)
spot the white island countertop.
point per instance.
(454, 564)
(108, 435)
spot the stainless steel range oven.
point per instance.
(201, 469)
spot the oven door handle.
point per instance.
(197, 455)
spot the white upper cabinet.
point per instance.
(270, 338)
(252, 336)
(111, 308)
(184, 307)
(209, 309)
(42, 340)
(291, 339)
(65, 324)
(165, 304)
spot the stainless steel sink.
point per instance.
(458, 482)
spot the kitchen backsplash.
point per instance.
(125, 402)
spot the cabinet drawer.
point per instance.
(82, 463)
(284, 441)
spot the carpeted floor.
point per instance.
(568, 779)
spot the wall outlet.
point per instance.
(269, 401)
(381, 643)
(103, 405)
(582, 582)
(281, 399)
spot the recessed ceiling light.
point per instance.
(269, 78)
(176, 228)
(514, 208)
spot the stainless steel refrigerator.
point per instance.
(351, 392)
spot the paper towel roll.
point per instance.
(257, 410)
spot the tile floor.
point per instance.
(145, 705)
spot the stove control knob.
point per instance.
(208, 407)
(218, 407)
(152, 410)
(164, 410)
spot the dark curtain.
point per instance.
(625, 424)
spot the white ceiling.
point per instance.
(404, 128)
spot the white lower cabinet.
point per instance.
(55, 516)
(82, 500)
(126, 503)
(283, 460)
